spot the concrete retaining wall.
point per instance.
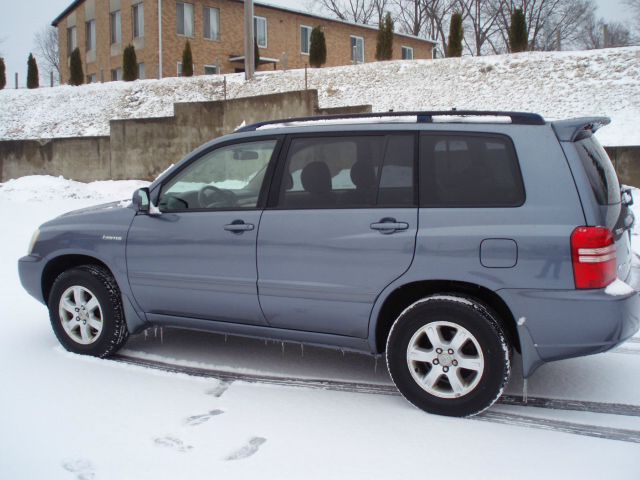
(627, 163)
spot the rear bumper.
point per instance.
(559, 324)
(30, 271)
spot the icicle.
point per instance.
(302, 349)
(524, 391)
(342, 350)
(265, 343)
(145, 334)
(161, 335)
(282, 343)
(155, 332)
(225, 338)
(375, 365)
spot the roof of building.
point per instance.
(77, 3)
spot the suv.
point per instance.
(444, 240)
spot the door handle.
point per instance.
(389, 225)
(238, 226)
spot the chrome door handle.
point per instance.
(389, 225)
(238, 226)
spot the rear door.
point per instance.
(614, 211)
(340, 226)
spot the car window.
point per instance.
(348, 172)
(602, 175)
(469, 171)
(229, 177)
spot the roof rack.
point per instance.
(517, 118)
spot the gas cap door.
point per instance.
(498, 253)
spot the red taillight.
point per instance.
(593, 252)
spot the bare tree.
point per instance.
(411, 16)
(634, 6)
(358, 11)
(550, 23)
(483, 18)
(598, 34)
(47, 50)
(438, 14)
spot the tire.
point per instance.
(86, 299)
(426, 351)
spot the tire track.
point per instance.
(596, 431)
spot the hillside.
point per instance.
(556, 85)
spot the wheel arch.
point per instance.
(409, 293)
(57, 265)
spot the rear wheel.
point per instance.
(449, 355)
(86, 312)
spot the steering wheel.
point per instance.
(210, 196)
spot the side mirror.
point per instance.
(141, 200)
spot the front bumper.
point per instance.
(559, 324)
(30, 271)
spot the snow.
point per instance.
(556, 84)
(67, 416)
(618, 288)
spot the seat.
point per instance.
(316, 181)
(364, 178)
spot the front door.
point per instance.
(339, 228)
(197, 258)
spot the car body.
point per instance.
(473, 207)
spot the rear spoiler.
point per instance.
(570, 130)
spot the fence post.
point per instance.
(306, 78)
(16, 80)
(51, 77)
(225, 87)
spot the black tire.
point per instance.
(101, 283)
(487, 333)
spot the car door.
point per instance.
(340, 226)
(197, 259)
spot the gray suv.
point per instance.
(444, 240)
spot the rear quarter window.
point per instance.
(461, 170)
(600, 171)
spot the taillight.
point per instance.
(593, 252)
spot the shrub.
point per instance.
(317, 48)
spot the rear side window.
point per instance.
(602, 176)
(458, 170)
(348, 172)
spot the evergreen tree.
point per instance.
(76, 75)
(3, 74)
(33, 78)
(518, 36)
(456, 35)
(317, 48)
(129, 64)
(384, 45)
(256, 53)
(187, 61)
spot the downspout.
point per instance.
(159, 39)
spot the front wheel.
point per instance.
(86, 311)
(449, 355)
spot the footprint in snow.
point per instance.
(83, 469)
(195, 420)
(219, 389)
(173, 443)
(248, 450)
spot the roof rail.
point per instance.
(517, 118)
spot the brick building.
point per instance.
(101, 29)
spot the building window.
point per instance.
(211, 23)
(260, 28)
(184, 19)
(71, 39)
(211, 70)
(116, 74)
(357, 49)
(91, 35)
(305, 39)
(141, 71)
(91, 78)
(179, 70)
(116, 27)
(138, 20)
(407, 53)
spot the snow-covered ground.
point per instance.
(556, 85)
(70, 417)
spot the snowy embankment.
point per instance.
(556, 85)
(71, 417)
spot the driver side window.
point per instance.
(227, 178)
